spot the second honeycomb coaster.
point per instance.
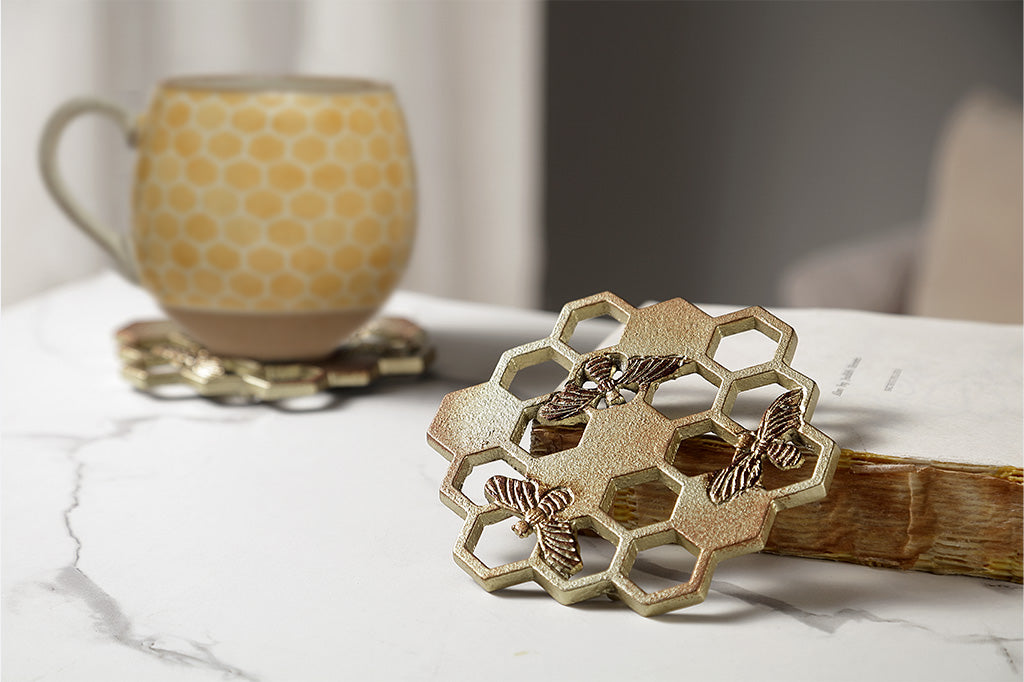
(631, 437)
(156, 353)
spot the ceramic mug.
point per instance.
(272, 216)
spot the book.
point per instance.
(928, 414)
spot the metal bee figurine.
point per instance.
(781, 418)
(558, 545)
(639, 374)
(626, 440)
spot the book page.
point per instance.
(903, 386)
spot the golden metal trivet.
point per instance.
(157, 353)
(717, 515)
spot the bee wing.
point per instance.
(515, 494)
(781, 417)
(743, 473)
(783, 455)
(555, 500)
(558, 546)
(566, 404)
(644, 370)
(600, 369)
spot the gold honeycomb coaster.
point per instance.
(157, 354)
(632, 438)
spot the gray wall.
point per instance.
(694, 149)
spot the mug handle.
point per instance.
(117, 245)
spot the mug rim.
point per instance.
(282, 83)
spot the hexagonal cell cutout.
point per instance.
(595, 550)
(662, 567)
(638, 500)
(750, 405)
(318, 402)
(535, 374)
(744, 344)
(643, 504)
(592, 327)
(163, 382)
(690, 394)
(499, 544)
(595, 333)
(541, 440)
(473, 486)
(702, 454)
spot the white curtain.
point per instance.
(467, 73)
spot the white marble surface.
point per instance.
(148, 539)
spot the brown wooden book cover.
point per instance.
(915, 514)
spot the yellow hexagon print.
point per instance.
(250, 201)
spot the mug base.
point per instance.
(275, 337)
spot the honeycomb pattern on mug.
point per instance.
(273, 202)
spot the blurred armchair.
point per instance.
(965, 258)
